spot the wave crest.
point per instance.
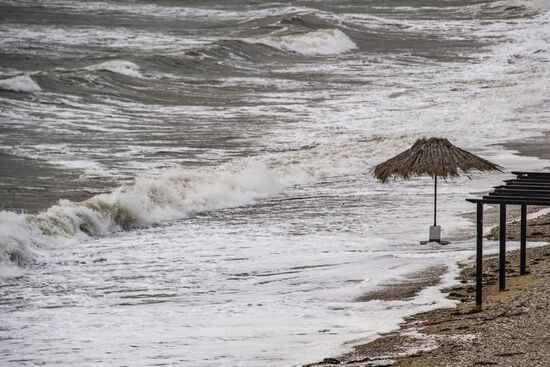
(121, 67)
(320, 42)
(177, 193)
(20, 83)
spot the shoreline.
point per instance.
(511, 327)
(507, 332)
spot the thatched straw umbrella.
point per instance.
(434, 157)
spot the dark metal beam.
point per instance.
(533, 178)
(515, 183)
(520, 188)
(531, 174)
(507, 201)
(527, 195)
(514, 200)
(522, 193)
(528, 179)
(474, 200)
(514, 187)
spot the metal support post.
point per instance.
(523, 241)
(479, 256)
(502, 249)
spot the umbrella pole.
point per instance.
(435, 201)
(435, 230)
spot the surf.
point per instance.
(316, 43)
(121, 67)
(177, 193)
(20, 83)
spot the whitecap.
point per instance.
(320, 42)
(20, 83)
(177, 193)
(174, 194)
(121, 67)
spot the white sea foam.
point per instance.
(18, 239)
(159, 11)
(320, 42)
(541, 4)
(20, 83)
(122, 67)
(54, 39)
(177, 193)
(347, 249)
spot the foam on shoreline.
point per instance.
(444, 336)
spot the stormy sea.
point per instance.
(189, 183)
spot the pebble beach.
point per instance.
(512, 329)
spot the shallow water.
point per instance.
(223, 152)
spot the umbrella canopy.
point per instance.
(434, 157)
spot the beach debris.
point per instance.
(326, 361)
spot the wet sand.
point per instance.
(513, 329)
(394, 291)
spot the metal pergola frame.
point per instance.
(528, 188)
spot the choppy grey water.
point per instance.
(187, 183)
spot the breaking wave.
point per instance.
(177, 193)
(21, 83)
(320, 42)
(121, 67)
